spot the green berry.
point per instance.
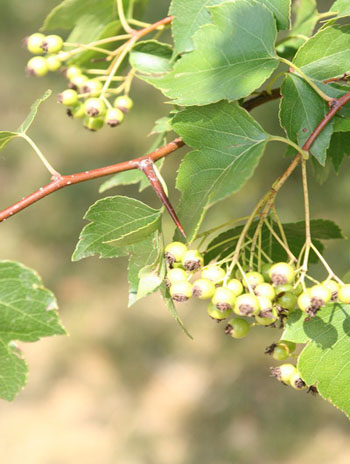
(287, 301)
(77, 111)
(52, 44)
(247, 305)
(237, 328)
(267, 314)
(291, 346)
(37, 66)
(92, 123)
(265, 271)
(114, 117)
(304, 301)
(281, 273)
(296, 381)
(203, 289)
(77, 81)
(95, 107)
(265, 289)
(174, 252)
(68, 97)
(53, 63)
(73, 71)
(215, 313)
(34, 43)
(281, 289)
(236, 286)
(253, 279)
(123, 103)
(320, 295)
(223, 298)
(284, 372)
(92, 87)
(181, 291)
(238, 273)
(280, 353)
(344, 294)
(332, 286)
(175, 275)
(192, 260)
(214, 273)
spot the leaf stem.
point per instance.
(42, 158)
(123, 19)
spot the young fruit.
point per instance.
(304, 301)
(73, 71)
(174, 252)
(247, 305)
(37, 66)
(68, 97)
(114, 117)
(253, 279)
(238, 273)
(333, 287)
(266, 290)
(281, 273)
(267, 314)
(93, 124)
(280, 352)
(296, 381)
(320, 295)
(92, 86)
(192, 260)
(77, 111)
(237, 328)
(52, 44)
(223, 298)
(77, 81)
(287, 301)
(344, 294)
(284, 372)
(203, 289)
(181, 291)
(95, 107)
(216, 314)
(281, 289)
(176, 275)
(34, 43)
(123, 103)
(291, 346)
(265, 271)
(236, 286)
(214, 273)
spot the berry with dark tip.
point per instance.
(174, 252)
(284, 372)
(236, 286)
(253, 279)
(265, 271)
(192, 260)
(92, 87)
(37, 66)
(344, 294)
(223, 298)
(320, 295)
(114, 117)
(266, 290)
(247, 305)
(267, 314)
(214, 273)
(77, 111)
(123, 103)
(237, 327)
(181, 291)
(216, 314)
(77, 81)
(68, 97)
(73, 71)
(203, 289)
(95, 107)
(93, 124)
(296, 381)
(291, 346)
(333, 287)
(34, 43)
(281, 273)
(52, 44)
(304, 301)
(280, 352)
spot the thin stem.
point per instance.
(276, 138)
(43, 159)
(308, 242)
(85, 47)
(292, 36)
(279, 225)
(228, 223)
(123, 19)
(123, 52)
(325, 264)
(136, 22)
(286, 249)
(307, 79)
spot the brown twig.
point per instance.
(262, 98)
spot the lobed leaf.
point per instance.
(33, 111)
(6, 137)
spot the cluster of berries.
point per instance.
(84, 99)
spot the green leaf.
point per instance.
(339, 148)
(33, 111)
(115, 221)
(28, 311)
(151, 57)
(301, 110)
(216, 70)
(326, 54)
(281, 10)
(225, 243)
(229, 146)
(6, 137)
(324, 361)
(341, 7)
(171, 308)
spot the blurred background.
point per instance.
(126, 386)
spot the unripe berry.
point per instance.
(92, 87)
(181, 291)
(236, 286)
(296, 381)
(281, 289)
(247, 305)
(77, 111)
(37, 66)
(281, 273)
(253, 278)
(223, 298)
(52, 44)
(237, 327)
(238, 273)
(34, 43)
(203, 289)
(266, 290)
(174, 252)
(175, 275)
(287, 301)
(280, 353)
(284, 372)
(192, 260)
(95, 107)
(123, 103)
(333, 287)
(92, 123)
(344, 294)
(291, 346)
(53, 63)
(68, 97)
(114, 117)
(216, 314)
(73, 71)
(77, 81)
(265, 271)
(214, 273)
(320, 295)
(267, 314)
(307, 304)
